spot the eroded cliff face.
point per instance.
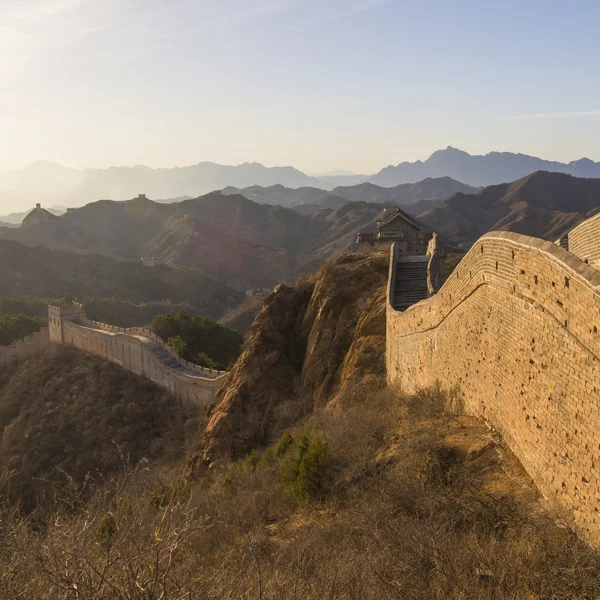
(310, 346)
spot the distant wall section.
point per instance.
(135, 349)
(516, 330)
(26, 347)
(131, 353)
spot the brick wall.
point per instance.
(26, 347)
(516, 330)
(130, 351)
(584, 241)
(140, 331)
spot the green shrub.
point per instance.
(210, 344)
(179, 345)
(312, 471)
(204, 360)
(107, 531)
(16, 327)
(253, 459)
(284, 444)
(303, 473)
(178, 492)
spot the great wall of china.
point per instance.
(25, 348)
(515, 331)
(136, 349)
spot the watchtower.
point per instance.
(57, 315)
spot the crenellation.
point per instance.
(134, 349)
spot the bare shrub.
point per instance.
(399, 517)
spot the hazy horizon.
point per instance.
(316, 174)
(353, 85)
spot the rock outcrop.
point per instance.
(308, 347)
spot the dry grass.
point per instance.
(397, 516)
(68, 418)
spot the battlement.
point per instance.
(61, 313)
(515, 331)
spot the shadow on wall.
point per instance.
(516, 330)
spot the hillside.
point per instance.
(404, 194)
(311, 341)
(491, 169)
(68, 418)
(240, 242)
(543, 204)
(337, 484)
(27, 271)
(329, 201)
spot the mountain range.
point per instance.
(64, 186)
(310, 199)
(58, 185)
(240, 242)
(491, 169)
(245, 244)
(542, 204)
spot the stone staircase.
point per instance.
(166, 358)
(410, 285)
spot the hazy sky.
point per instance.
(319, 84)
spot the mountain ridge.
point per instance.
(70, 187)
(541, 204)
(403, 194)
(480, 170)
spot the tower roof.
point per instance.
(399, 213)
(38, 215)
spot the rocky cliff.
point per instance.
(309, 346)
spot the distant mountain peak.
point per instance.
(479, 170)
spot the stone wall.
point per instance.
(26, 347)
(129, 349)
(140, 331)
(515, 330)
(584, 241)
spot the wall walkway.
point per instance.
(516, 331)
(142, 355)
(136, 349)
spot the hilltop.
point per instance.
(68, 418)
(542, 204)
(405, 194)
(52, 273)
(240, 242)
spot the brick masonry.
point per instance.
(130, 348)
(516, 331)
(584, 241)
(26, 347)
